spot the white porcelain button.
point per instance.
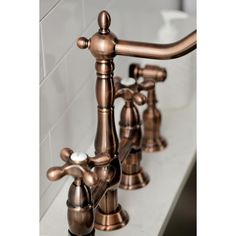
(81, 156)
(128, 81)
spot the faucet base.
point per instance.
(156, 145)
(112, 221)
(90, 234)
(134, 181)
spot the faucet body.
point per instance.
(80, 212)
(92, 200)
(152, 139)
(133, 175)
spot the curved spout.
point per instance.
(157, 51)
(104, 45)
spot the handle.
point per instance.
(129, 89)
(105, 45)
(78, 166)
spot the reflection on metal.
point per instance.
(92, 199)
(152, 139)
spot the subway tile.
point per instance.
(54, 98)
(92, 9)
(80, 63)
(60, 28)
(77, 126)
(50, 194)
(45, 163)
(63, 83)
(46, 6)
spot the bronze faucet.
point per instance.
(87, 188)
(152, 139)
(133, 175)
(92, 200)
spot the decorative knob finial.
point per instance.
(83, 43)
(104, 21)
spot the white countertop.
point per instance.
(149, 208)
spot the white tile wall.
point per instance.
(60, 29)
(61, 86)
(48, 196)
(54, 98)
(77, 127)
(46, 6)
(67, 77)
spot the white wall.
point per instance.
(67, 75)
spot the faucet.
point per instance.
(152, 139)
(92, 199)
(87, 188)
(130, 153)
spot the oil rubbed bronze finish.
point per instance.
(87, 188)
(133, 175)
(92, 198)
(104, 46)
(109, 214)
(152, 139)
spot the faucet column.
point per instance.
(109, 214)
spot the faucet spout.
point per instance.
(157, 51)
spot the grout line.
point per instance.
(50, 10)
(44, 138)
(69, 106)
(56, 64)
(63, 56)
(84, 31)
(56, 193)
(45, 190)
(43, 54)
(66, 110)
